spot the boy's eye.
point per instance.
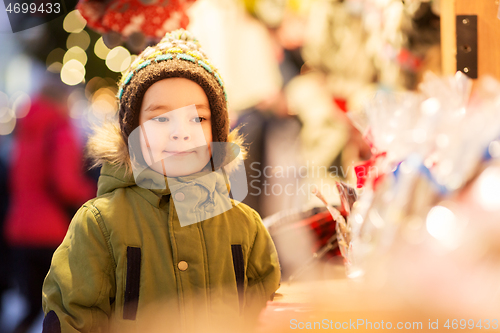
(199, 119)
(160, 119)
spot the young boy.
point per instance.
(163, 246)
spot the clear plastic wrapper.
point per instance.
(431, 149)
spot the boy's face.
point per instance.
(176, 128)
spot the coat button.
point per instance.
(182, 265)
(179, 196)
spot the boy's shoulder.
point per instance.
(116, 203)
(243, 212)
(243, 208)
(113, 197)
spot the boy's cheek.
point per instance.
(149, 152)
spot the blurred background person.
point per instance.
(5, 281)
(46, 184)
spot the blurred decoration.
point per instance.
(80, 39)
(75, 53)
(136, 22)
(428, 212)
(118, 59)
(391, 42)
(100, 49)
(74, 22)
(240, 47)
(12, 108)
(272, 13)
(20, 74)
(84, 55)
(324, 131)
(55, 45)
(54, 60)
(73, 72)
(7, 121)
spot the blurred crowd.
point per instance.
(44, 183)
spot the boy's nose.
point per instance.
(180, 131)
(179, 137)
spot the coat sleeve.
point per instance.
(80, 283)
(263, 270)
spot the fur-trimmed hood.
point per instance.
(107, 148)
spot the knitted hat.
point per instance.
(178, 54)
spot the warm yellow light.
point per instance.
(100, 49)
(81, 39)
(76, 53)
(74, 22)
(487, 189)
(7, 120)
(133, 57)
(441, 223)
(6, 114)
(104, 93)
(56, 55)
(104, 101)
(21, 105)
(8, 127)
(77, 103)
(55, 67)
(118, 59)
(103, 107)
(72, 72)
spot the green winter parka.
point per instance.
(127, 265)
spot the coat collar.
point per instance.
(152, 186)
(107, 148)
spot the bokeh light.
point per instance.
(21, 103)
(74, 22)
(118, 59)
(133, 57)
(72, 72)
(7, 120)
(55, 67)
(487, 189)
(100, 49)
(77, 103)
(442, 224)
(5, 114)
(76, 53)
(56, 55)
(19, 74)
(430, 106)
(93, 85)
(104, 103)
(494, 149)
(54, 60)
(81, 39)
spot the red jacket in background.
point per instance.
(46, 177)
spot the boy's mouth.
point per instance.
(178, 153)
